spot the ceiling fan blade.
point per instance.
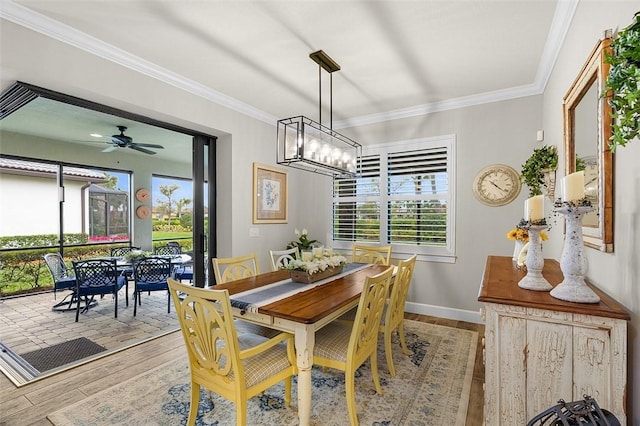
(110, 148)
(138, 148)
(149, 145)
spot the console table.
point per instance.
(538, 349)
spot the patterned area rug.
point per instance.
(431, 388)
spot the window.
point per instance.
(404, 197)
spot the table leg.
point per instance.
(304, 341)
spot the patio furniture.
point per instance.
(281, 258)
(168, 250)
(98, 277)
(365, 253)
(346, 345)
(394, 314)
(151, 274)
(235, 366)
(63, 279)
(122, 251)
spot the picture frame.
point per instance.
(270, 194)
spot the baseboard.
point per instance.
(444, 312)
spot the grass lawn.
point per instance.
(171, 235)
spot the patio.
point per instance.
(28, 324)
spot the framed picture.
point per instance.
(269, 194)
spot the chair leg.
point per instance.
(351, 397)
(374, 372)
(195, 400)
(136, 298)
(78, 309)
(241, 412)
(287, 391)
(403, 343)
(168, 302)
(388, 351)
(115, 294)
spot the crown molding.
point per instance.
(28, 18)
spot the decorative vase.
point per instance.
(573, 262)
(519, 245)
(535, 262)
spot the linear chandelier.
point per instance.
(306, 144)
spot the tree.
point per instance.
(181, 204)
(111, 183)
(167, 191)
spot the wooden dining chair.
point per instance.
(346, 345)
(394, 311)
(366, 253)
(233, 268)
(234, 366)
(281, 258)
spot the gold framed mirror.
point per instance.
(587, 129)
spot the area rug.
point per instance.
(63, 353)
(431, 388)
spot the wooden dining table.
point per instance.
(302, 314)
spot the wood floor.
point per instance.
(30, 404)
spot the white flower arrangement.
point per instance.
(317, 264)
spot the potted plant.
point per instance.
(543, 161)
(303, 242)
(623, 84)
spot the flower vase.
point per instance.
(517, 249)
(535, 262)
(573, 262)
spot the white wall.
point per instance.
(616, 273)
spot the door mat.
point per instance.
(63, 353)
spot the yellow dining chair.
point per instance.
(234, 366)
(233, 268)
(365, 253)
(394, 314)
(281, 258)
(346, 345)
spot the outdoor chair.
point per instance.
(346, 345)
(380, 255)
(281, 258)
(151, 274)
(122, 251)
(176, 245)
(234, 268)
(168, 250)
(63, 279)
(235, 366)
(98, 277)
(394, 314)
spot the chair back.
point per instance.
(168, 250)
(281, 258)
(122, 251)
(209, 333)
(152, 270)
(378, 255)
(56, 266)
(395, 309)
(96, 273)
(364, 336)
(234, 268)
(176, 245)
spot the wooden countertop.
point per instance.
(500, 285)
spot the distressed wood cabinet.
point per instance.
(539, 349)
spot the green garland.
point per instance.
(623, 82)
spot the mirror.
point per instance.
(587, 129)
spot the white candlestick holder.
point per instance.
(535, 262)
(572, 263)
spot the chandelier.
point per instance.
(309, 145)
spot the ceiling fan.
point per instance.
(124, 141)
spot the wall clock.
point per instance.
(497, 185)
(143, 212)
(143, 195)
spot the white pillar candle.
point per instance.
(307, 256)
(534, 208)
(317, 251)
(573, 186)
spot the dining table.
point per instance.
(273, 300)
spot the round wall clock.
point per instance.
(143, 212)
(143, 195)
(497, 185)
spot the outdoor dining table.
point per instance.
(300, 313)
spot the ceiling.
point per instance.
(398, 58)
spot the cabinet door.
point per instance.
(549, 365)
